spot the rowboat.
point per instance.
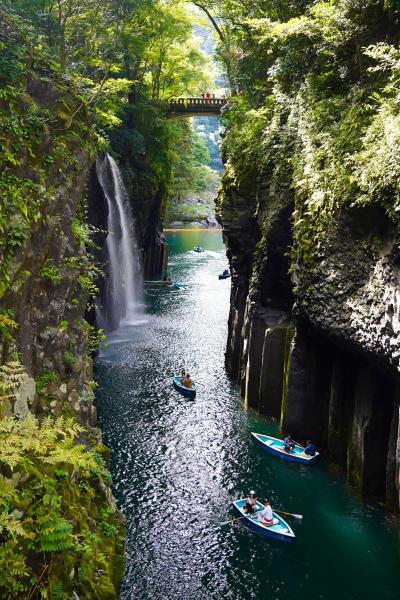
(275, 446)
(224, 275)
(280, 530)
(190, 392)
(198, 249)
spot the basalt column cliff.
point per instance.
(309, 206)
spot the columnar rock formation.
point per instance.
(318, 347)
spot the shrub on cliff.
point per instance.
(317, 120)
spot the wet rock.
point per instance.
(24, 397)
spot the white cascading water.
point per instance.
(125, 275)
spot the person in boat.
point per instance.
(251, 503)
(226, 272)
(266, 515)
(183, 375)
(187, 382)
(310, 448)
(288, 443)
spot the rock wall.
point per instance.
(317, 348)
(45, 285)
(47, 290)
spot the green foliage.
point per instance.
(64, 325)
(95, 337)
(317, 118)
(70, 358)
(7, 324)
(84, 232)
(44, 379)
(51, 272)
(12, 376)
(45, 521)
(85, 280)
(191, 158)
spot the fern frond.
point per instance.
(9, 525)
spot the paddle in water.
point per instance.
(294, 515)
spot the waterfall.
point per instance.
(123, 298)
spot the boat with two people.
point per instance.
(184, 384)
(279, 530)
(277, 447)
(198, 249)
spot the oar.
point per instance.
(233, 520)
(297, 444)
(239, 518)
(282, 512)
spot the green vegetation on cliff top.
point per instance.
(314, 117)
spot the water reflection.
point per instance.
(178, 463)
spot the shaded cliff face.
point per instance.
(352, 291)
(48, 146)
(46, 288)
(313, 325)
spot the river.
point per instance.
(177, 464)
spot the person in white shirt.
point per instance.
(266, 515)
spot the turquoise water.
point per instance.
(178, 463)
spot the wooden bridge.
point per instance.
(196, 107)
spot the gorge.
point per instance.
(91, 161)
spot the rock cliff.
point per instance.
(309, 205)
(48, 147)
(314, 326)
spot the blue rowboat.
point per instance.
(190, 392)
(280, 530)
(275, 446)
(198, 249)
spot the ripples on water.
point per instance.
(177, 464)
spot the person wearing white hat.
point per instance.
(267, 516)
(251, 502)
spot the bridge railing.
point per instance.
(186, 103)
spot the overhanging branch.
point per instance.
(212, 19)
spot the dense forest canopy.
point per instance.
(315, 104)
(124, 59)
